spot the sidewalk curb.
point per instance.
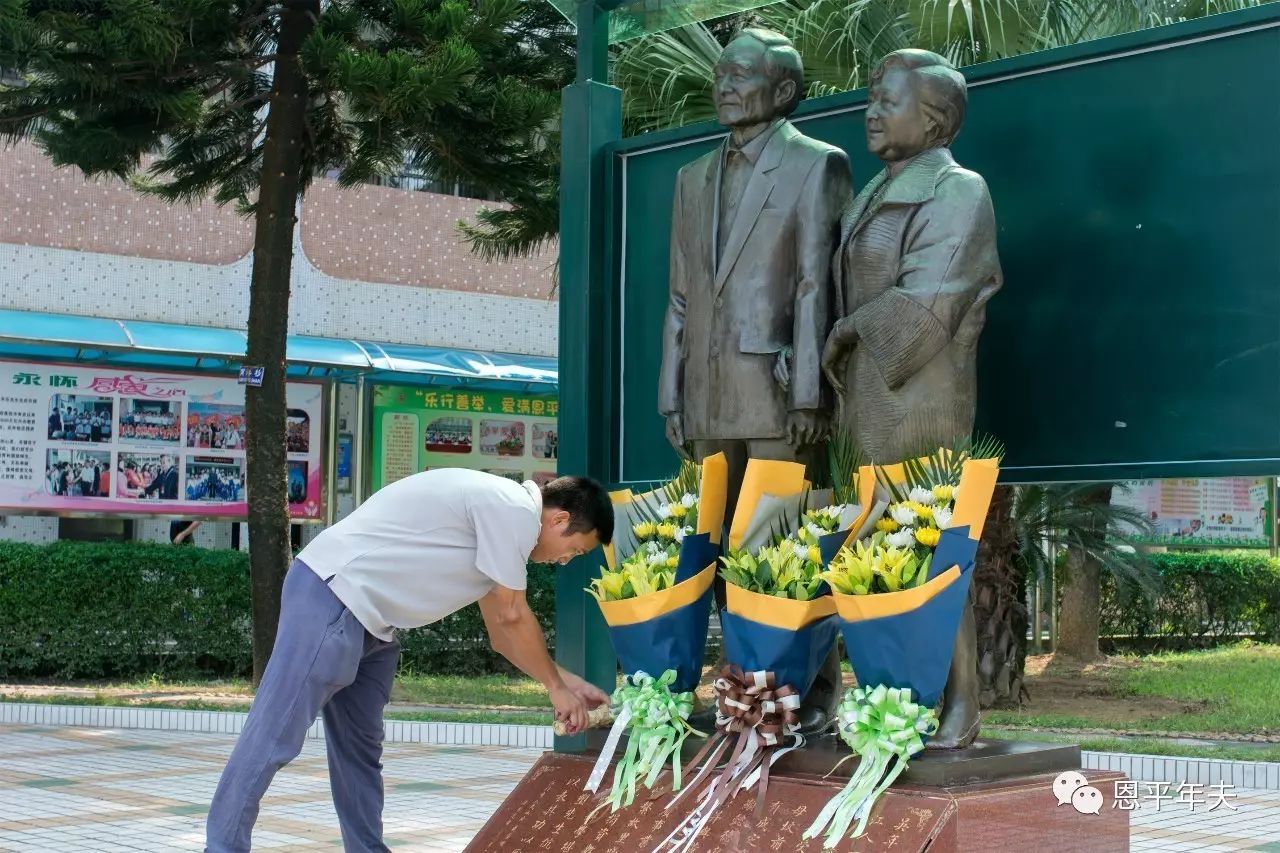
(231, 722)
(1263, 775)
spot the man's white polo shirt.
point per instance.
(428, 545)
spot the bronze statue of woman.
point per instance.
(916, 265)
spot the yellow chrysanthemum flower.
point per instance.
(644, 529)
(943, 493)
(887, 525)
(928, 536)
(667, 531)
(923, 512)
(679, 510)
(672, 562)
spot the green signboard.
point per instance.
(417, 429)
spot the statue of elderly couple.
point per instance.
(782, 286)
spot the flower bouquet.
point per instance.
(899, 592)
(655, 595)
(778, 625)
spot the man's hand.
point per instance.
(570, 709)
(835, 355)
(591, 695)
(675, 434)
(806, 427)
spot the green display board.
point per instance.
(1137, 189)
(416, 429)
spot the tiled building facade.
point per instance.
(371, 263)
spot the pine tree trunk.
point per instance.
(265, 451)
(999, 593)
(1081, 594)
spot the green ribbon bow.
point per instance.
(656, 724)
(883, 727)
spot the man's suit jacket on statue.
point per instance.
(770, 288)
(916, 267)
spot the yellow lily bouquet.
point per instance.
(652, 547)
(791, 566)
(899, 593)
(922, 495)
(655, 594)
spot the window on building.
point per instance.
(95, 529)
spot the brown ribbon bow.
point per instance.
(751, 706)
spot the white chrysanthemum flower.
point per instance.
(833, 511)
(660, 557)
(922, 496)
(942, 515)
(801, 549)
(653, 546)
(689, 500)
(902, 514)
(664, 510)
(680, 532)
(817, 531)
(904, 538)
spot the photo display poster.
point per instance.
(417, 429)
(142, 442)
(1231, 512)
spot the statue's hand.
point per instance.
(835, 355)
(807, 426)
(782, 367)
(675, 435)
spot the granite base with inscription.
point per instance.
(993, 796)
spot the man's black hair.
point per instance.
(586, 501)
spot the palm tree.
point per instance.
(666, 77)
(1026, 527)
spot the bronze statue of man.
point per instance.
(753, 231)
(916, 265)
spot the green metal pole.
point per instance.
(591, 118)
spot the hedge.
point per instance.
(1207, 598)
(77, 610)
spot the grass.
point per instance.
(1142, 745)
(115, 701)
(1234, 689)
(492, 691)
(518, 718)
(529, 718)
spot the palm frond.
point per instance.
(844, 458)
(1054, 518)
(686, 482)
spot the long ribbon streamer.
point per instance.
(656, 724)
(884, 728)
(756, 717)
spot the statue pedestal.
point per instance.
(993, 796)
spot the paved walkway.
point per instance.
(66, 789)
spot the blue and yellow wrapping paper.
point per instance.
(906, 638)
(668, 629)
(762, 632)
(788, 638)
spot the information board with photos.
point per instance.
(111, 441)
(1232, 512)
(417, 429)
